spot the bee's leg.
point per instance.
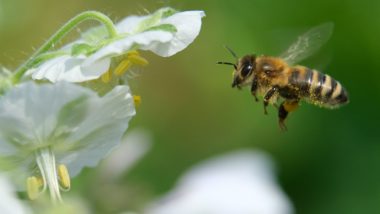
(254, 88)
(286, 107)
(268, 96)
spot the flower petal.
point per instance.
(148, 40)
(138, 24)
(28, 111)
(188, 25)
(70, 68)
(130, 24)
(102, 129)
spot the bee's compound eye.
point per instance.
(246, 70)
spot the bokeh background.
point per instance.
(327, 162)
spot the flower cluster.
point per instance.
(66, 109)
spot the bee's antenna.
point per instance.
(232, 52)
(227, 63)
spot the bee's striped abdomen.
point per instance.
(318, 88)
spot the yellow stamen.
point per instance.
(40, 181)
(33, 187)
(64, 176)
(135, 58)
(106, 77)
(122, 67)
(133, 53)
(137, 100)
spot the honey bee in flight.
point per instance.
(279, 77)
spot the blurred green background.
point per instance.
(328, 161)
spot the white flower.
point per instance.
(187, 27)
(47, 129)
(165, 32)
(241, 182)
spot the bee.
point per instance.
(279, 78)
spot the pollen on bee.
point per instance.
(106, 77)
(64, 177)
(137, 100)
(291, 106)
(33, 185)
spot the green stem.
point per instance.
(69, 26)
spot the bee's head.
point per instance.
(243, 69)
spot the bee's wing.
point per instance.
(308, 43)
